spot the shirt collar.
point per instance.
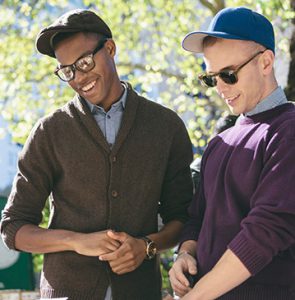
(121, 102)
(276, 98)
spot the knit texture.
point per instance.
(95, 188)
(246, 202)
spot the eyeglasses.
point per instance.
(227, 76)
(84, 64)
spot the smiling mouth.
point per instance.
(88, 87)
(230, 100)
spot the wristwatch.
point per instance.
(151, 249)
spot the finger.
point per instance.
(119, 254)
(182, 279)
(124, 256)
(121, 258)
(110, 244)
(120, 264)
(111, 247)
(192, 268)
(178, 274)
(125, 252)
(108, 256)
(114, 243)
(179, 288)
(184, 267)
(178, 280)
(119, 236)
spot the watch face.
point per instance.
(7, 257)
(151, 250)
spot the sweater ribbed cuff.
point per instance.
(9, 233)
(248, 253)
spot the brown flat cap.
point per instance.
(78, 20)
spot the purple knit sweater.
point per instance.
(246, 202)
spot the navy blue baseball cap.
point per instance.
(236, 23)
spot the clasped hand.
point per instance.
(128, 255)
(123, 252)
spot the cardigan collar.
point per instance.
(82, 111)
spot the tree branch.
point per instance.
(214, 7)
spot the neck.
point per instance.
(116, 92)
(270, 85)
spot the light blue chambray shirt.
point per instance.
(109, 122)
(276, 98)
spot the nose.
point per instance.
(79, 77)
(221, 86)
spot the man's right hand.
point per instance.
(94, 244)
(184, 264)
(34, 239)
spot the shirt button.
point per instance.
(115, 194)
(108, 116)
(114, 159)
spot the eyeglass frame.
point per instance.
(74, 67)
(228, 72)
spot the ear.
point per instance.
(267, 62)
(110, 47)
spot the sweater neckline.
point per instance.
(265, 115)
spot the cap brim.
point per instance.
(44, 40)
(193, 41)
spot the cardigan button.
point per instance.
(115, 194)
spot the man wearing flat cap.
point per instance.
(110, 160)
(240, 240)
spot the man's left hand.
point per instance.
(128, 256)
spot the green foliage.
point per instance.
(166, 264)
(148, 34)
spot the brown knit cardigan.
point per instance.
(94, 188)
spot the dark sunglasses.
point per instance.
(84, 64)
(227, 76)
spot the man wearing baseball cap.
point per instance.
(111, 161)
(240, 240)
